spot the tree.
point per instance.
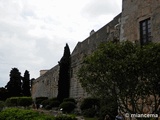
(14, 85)
(64, 75)
(126, 72)
(3, 94)
(32, 81)
(26, 84)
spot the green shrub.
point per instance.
(2, 104)
(69, 100)
(90, 107)
(21, 114)
(24, 101)
(88, 103)
(55, 103)
(48, 107)
(49, 104)
(108, 106)
(67, 107)
(18, 101)
(40, 99)
(13, 101)
(103, 112)
(54, 99)
(45, 103)
(89, 112)
(65, 117)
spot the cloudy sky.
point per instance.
(33, 33)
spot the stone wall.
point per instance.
(134, 11)
(43, 72)
(109, 32)
(46, 85)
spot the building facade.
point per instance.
(139, 22)
(47, 84)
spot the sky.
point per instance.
(33, 33)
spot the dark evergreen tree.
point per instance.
(3, 94)
(32, 81)
(26, 84)
(64, 75)
(14, 85)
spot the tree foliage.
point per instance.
(124, 71)
(14, 85)
(64, 75)
(3, 94)
(26, 84)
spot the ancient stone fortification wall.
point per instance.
(43, 72)
(46, 85)
(86, 47)
(125, 26)
(134, 11)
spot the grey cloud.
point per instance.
(97, 8)
(27, 13)
(32, 39)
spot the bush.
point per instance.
(18, 101)
(108, 106)
(89, 112)
(55, 103)
(90, 107)
(40, 99)
(13, 101)
(90, 103)
(45, 103)
(65, 117)
(69, 100)
(24, 101)
(54, 99)
(51, 103)
(67, 107)
(48, 107)
(21, 114)
(2, 104)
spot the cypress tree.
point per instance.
(64, 75)
(14, 85)
(26, 84)
(3, 94)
